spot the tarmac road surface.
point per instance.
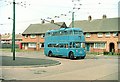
(91, 68)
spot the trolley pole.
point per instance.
(72, 19)
(13, 33)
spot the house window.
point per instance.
(119, 45)
(99, 45)
(23, 45)
(100, 34)
(26, 36)
(42, 36)
(87, 35)
(32, 45)
(107, 34)
(115, 33)
(33, 36)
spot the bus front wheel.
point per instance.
(50, 54)
(71, 55)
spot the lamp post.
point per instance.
(13, 33)
(72, 19)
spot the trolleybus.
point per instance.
(65, 42)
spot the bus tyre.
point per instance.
(50, 54)
(71, 55)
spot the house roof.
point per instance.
(9, 36)
(98, 25)
(18, 36)
(42, 28)
(5, 36)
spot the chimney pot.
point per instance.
(43, 22)
(90, 18)
(52, 21)
(104, 16)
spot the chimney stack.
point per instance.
(42, 22)
(104, 16)
(89, 18)
(52, 21)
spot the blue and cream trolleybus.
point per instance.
(65, 42)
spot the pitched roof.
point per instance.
(98, 25)
(9, 36)
(42, 28)
(5, 36)
(18, 36)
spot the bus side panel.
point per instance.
(63, 51)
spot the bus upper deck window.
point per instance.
(48, 34)
(70, 32)
(60, 33)
(77, 32)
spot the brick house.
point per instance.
(7, 38)
(102, 35)
(33, 36)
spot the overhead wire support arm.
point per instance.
(50, 22)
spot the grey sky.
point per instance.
(50, 8)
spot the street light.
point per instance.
(13, 33)
(72, 18)
(12, 36)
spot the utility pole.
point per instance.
(13, 33)
(73, 19)
(13, 30)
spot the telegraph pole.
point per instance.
(13, 33)
(72, 19)
(13, 30)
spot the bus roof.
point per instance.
(64, 29)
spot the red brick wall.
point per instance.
(37, 39)
(94, 38)
(29, 39)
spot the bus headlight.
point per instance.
(76, 50)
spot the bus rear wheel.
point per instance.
(71, 55)
(50, 54)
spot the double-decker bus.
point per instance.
(66, 42)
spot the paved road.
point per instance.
(90, 68)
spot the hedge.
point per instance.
(8, 46)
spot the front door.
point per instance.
(111, 47)
(26, 46)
